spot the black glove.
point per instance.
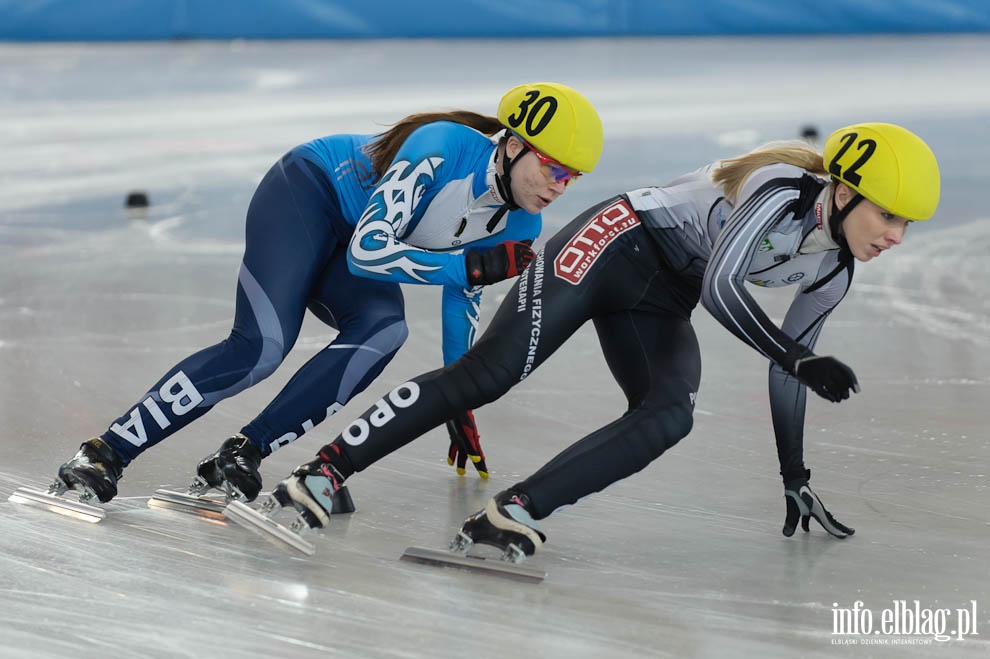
(827, 377)
(804, 503)
(502, 261)
(465, 442)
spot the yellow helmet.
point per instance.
(555, 119)
(887, 164)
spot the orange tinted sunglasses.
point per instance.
(553, 170)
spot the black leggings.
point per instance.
(602, 266)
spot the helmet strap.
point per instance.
(504, 180)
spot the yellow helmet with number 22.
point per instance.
(556, 120)
(887, 164)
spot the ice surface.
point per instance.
(684, 559)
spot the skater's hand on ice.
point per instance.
(465, 443)
(804, 503)
(827, 377)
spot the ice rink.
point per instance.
(685, 559)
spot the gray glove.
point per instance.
(804, 503)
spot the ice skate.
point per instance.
(232, 469)
(315, 490)
(92, 473)
(504, 523)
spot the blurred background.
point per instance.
(76, 20)
(189, 102)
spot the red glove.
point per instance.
(465, 443)
(502, 261)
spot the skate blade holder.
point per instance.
(342, 504)
(462, 544)
(463, 560)
(200, 488)
(266, 527)
(195, 501)
(187, 502)
(53, 501)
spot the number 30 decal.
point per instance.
(867, 147)
(536, 111)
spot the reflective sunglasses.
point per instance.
(553, 170)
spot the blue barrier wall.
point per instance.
(39, 20)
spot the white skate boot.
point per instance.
(504, 523)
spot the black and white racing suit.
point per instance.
(636, 265)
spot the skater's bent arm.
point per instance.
(376, 250)
(762, 204)
(804, 321)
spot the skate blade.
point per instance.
(57, 504)
(188, 503)
(473, 563)
(266, 527)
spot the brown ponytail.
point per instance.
(382, 149)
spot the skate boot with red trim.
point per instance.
(311, 490)
(315, 490)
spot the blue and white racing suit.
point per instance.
(324, 233)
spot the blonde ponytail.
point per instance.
(731, 173)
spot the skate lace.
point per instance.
(331, 475)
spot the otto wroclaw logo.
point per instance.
(903, 623)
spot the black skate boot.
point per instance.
(94, 472)
(504, 523)
(233, 469)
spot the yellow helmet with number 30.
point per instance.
(556, 120)
(887, 164)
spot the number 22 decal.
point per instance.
(537, 112)
(867, 147)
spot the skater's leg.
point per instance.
(287, 222)
(656, 360)
(370, 317)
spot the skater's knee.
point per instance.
(384, 334)
(478, 381)
(396, 334)
(256, 357)
(667, 426)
